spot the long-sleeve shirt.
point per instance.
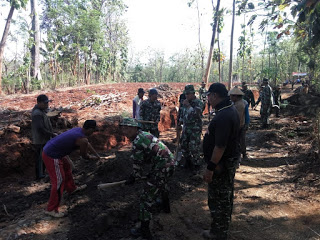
(146, 146)
(136, 102)
(41, 126)
(192, 116)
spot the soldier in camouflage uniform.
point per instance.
(150, 111)
(145, 146)
(248, 95)
(277, 99)
(191, 119)
(202, 95)
(266, 103)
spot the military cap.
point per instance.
(189, 89)
(129, 122)
(43, 98)
(235, 91)
(140, 90)
(153, 91)
(218, 88)
(265, 80)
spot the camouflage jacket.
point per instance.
(202, 97)
(192, 117)
(146, 146)
(266, 96)
(150, 111)
(249, 97)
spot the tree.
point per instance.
(209, 62)
(35, 49)
(14, 4)
(231, 45)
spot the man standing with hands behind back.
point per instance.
(41, 132)
(221, 152)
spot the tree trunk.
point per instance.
(35, 50)
(199, 40)
(219, 60)
(231, 45)
(207, 72)
(3, 42)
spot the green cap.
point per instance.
(189, 89)
(129, 122)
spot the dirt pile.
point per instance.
(305, 104)
(103, 103)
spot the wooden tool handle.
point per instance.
(108, 185)
(143, 121)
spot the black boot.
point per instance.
(166, 202)
(143, 231)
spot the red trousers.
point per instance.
(60, 174)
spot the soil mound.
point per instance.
(305, 104)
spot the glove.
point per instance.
(130, 180)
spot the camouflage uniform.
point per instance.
(220, 199)
(191, 132)
(203, 97)
(277, 100)
(180, 112)
(144, 147)
(202, 90)
(266, 104)
(249, 97)
(150, 111)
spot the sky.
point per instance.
(172, 26)
(168, 26)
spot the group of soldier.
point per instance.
(223, 144)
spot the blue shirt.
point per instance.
(63, 144)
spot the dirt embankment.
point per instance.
(276, 192)
(103, 103)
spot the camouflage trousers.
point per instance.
(190, 143)
(220, 198)
(265, 113)
(153, 190)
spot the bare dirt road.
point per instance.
(276, 193)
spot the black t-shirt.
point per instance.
(223, 131)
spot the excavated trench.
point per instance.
(16, 150)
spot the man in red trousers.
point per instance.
(55, 156)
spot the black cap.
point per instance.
(153, 91)
(265, 80)
(140, 90)
(90, 124)
(244, 83)
(43, 98)
(218, 88)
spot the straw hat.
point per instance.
(235, 91)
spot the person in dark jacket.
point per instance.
(221, 152)
(41, 132)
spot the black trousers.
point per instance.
(40, 167)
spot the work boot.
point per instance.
(142, 231)
(207, 234)
(187, 163)
(166, 202)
